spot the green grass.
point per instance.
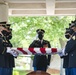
(18, 72)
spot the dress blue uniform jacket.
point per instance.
(6, 59)
(65, 59)
(70, 50)
(40, 60)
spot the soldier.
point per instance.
(68, 34)
(6, 59)
(40, 62)
(70, 50)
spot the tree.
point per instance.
(24, 29)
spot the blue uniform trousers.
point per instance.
(67, 71)
(73, 71)
(70, 71)
(6, 71)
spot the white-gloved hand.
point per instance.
(13, 52)
(63, 51)
(61, 54)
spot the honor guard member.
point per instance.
(6, 59)
(70, 50)
(41, 62)
(68, 34)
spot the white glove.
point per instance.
(63, 51)
(61, 54)
(13, 52)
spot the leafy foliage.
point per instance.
(24, 29)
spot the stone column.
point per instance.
(3, 12)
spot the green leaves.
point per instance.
(24, 29)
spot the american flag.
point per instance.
(30, 51)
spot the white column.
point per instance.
(62, 70)
(31, 65)
(50, 7)
(3, 12)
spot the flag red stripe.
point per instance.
(42, 50)
(21, 49)
(54, 49)
(32, 50)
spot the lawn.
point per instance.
(18, 72)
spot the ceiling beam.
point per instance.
(41, 7)
(27, 5)
(65, 5)
(65, 11)
(27, 1)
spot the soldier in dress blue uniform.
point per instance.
(70, 50)
(6, 59)
(41, 62)
(68, 34)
